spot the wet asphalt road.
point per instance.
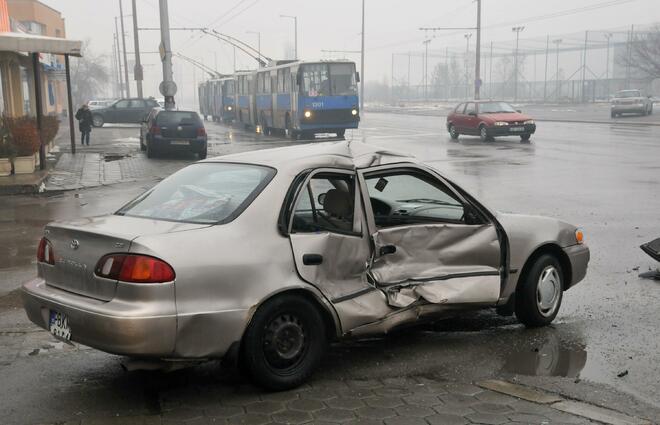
(605, 178)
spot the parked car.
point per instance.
(265, 256)
(130, 111)
(489, 119)
(173, 131)
(630, 102)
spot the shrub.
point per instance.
(50, 126)
(24, 133)
(7, 148)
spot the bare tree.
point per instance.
(445, 78)
(89, 75)
(644, 53)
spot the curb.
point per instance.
(35, 186)
(555, 401)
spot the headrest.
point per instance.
(338, 203)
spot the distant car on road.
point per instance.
(96, 104)
(266, 256)
(489, 119)
(129, 111)
(630, 102)
(173, 131)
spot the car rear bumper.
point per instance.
(138, 328)
(579, 256)
(507, 130)
(174, 144)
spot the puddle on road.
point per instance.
(547, 355)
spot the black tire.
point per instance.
(284, 343)
(264, 128)
(613, 114)
(201, 155)
(97, 120)
(528, 309)
(452, 132)
(483, 133)
(293, 134)
(151, 151)
(341, 133)
(524, 138)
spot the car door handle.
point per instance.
(387, 249)
(312, 259)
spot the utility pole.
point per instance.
(295, 34)
(258, 43)
(118, 58)
(558, 88)
(408, 74)
(477, 65)
(234, 58)
(138, 72)
(123, 42)
(362, 81)
(490, 72)
(426, 68)
(584, 67)
(392, 80)
(167, 86)
(607, 63)
(629, 55)
(545, 75)
(517, 30)
(467, 74)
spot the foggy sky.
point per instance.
(391, 27)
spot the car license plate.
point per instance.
(180, 142)
(517, 129)
(59, 325)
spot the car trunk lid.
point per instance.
(79, 245)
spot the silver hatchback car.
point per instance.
(265, 256)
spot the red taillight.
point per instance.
(201, 132)
(45, 252)
(134, 268)
(155, 130)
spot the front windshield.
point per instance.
(629, 93)
(337, 79)
(495, 107)
(342, 77)
(205, 193)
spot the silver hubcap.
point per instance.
(548, 291)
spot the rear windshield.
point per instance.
(206, 193)
(166, 118)
(629, 93)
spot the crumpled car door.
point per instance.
(430, 245)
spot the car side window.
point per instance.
(122, 104)
(406, 197)
(459, 109)
(470, 108)
(135, 103)
(326, 204)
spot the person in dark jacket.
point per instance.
(84, 117)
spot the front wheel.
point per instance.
(284, 343)
(525, 138)
(97, 120)
(341, 133)
(539, 295)
(453, 133)
(483, 134)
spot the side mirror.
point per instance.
(472, 114)
(470, 216)
(357, 77)
(321, 199)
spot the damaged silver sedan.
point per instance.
(265, 256)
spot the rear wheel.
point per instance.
(539, 295)
(202, 154)
(613, 114)
(452, 132)
(525, 137)
(97, 120)
(264, 127)
(293, 134)
(284, 343)
(151, 151)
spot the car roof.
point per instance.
(339, 154)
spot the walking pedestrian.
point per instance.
(84, 117)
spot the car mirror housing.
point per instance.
(472, 114)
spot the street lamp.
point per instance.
(607, 63)
(426, 68)
(295, 28)
(515, 60)
(557, 43)
(467, 55)
(258, 43)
